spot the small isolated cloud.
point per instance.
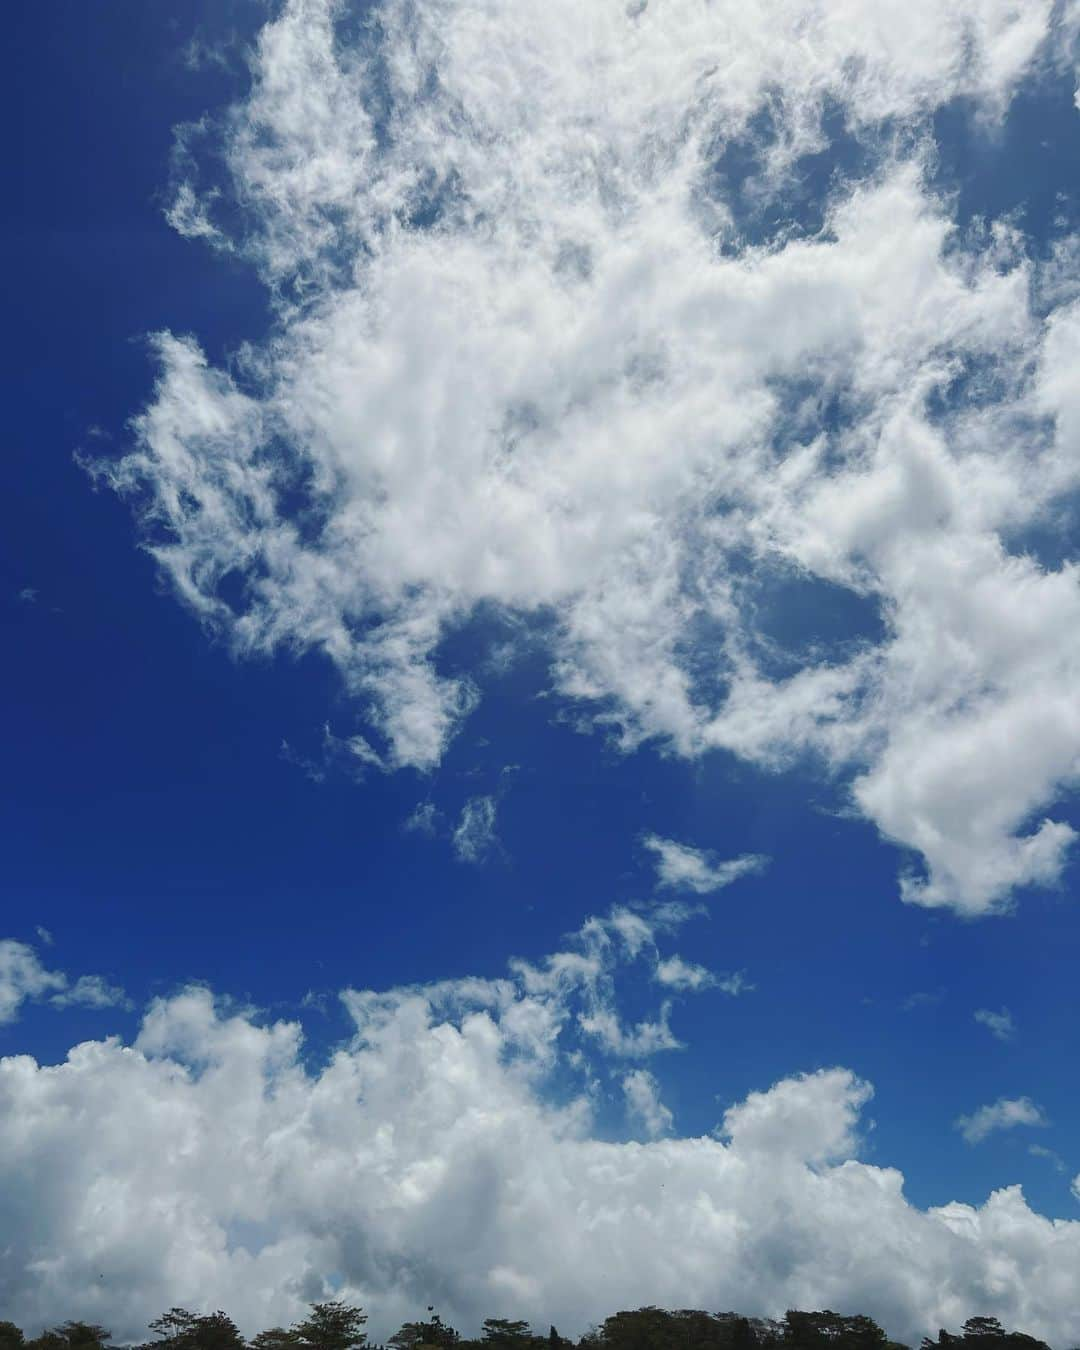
(24, 979)
(474, 837)
(1005, 1114)
(44, 936)
(679, 974)
(423, 819)
(676, 973)
(643, 1104)
(999, 1024)
(351, 756)
(1054, 1159)
(28, 595)
(681, 867)
(922, 998)
(735, 984)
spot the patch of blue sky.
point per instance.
(764, 211)
(1023, 169)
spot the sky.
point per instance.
(541, 634)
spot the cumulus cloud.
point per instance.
(1004, 1114)
(474, 835)
(692, 869)
(23, 978)
(539, 351)
(454, 1144)
(999, 1024)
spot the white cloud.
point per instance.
(642, 1093)
(23, 979)
(999, 1024)
(423, 819)
(90, 991)
(446, 1146)
(1054, 1159)
(474, 836)
(676, 973)
(692, 869)
(532, 355)
(1005, 1114)
(735, 984)
(680, 974)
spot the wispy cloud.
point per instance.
(23, 979)
(1004, 1114)
(1053, 1158)
(681, 867)
(425, 818)
(643, 1103)
(474, 837)
(922, 998)
(999, 1024)
(676, 973)
(91, 991)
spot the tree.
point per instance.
(331, 1326)
(743, 1336)
(505, 1334)
(173, 1325)
(831, 1331)
(434, 1334)
(984, 1333)
(11, 1336)
(71, 1336)
(406, 1336)
(275, 1338)
(179, 1329)
(978, 1328)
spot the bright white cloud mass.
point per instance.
(534, 353)
(449, 1148)
(558, 348)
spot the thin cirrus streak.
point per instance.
(538, 349)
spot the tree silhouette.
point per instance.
(70, 1336)
(179, 1329)
(275, 1338)
(11, 1337)
(331, 1326)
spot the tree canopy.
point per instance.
(337, 1325)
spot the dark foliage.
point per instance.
(338, 1325)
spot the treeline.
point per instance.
(340, 1326)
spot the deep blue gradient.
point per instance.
(153, 825)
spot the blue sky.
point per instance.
(628, 616)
